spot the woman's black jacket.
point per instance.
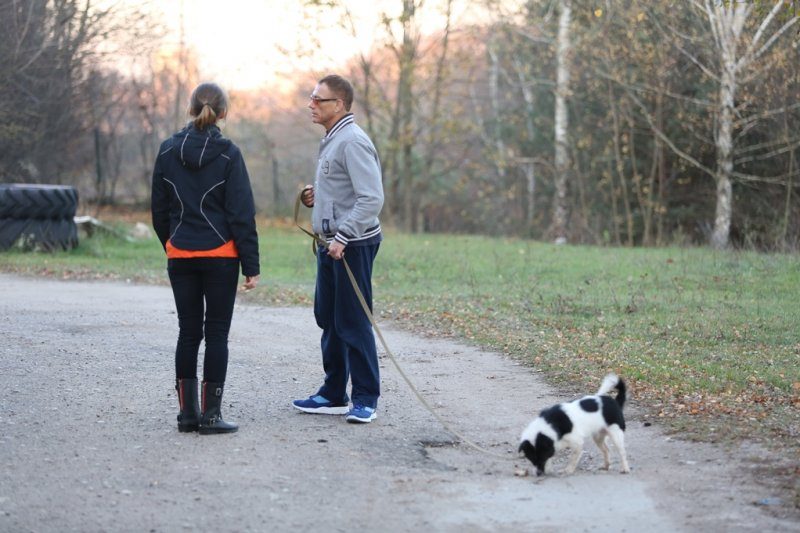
(201, 195)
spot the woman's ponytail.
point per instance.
(208, 103)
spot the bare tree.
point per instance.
(65, 93)
(406, 54)
(401, 90)
(161, 106)
(45, 48)
(433, 136)
(728, 22)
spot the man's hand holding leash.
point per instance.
(335, 249)
(308, 196)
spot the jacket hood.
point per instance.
(197, 148)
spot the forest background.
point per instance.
(621, 122)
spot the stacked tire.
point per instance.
(38, 217)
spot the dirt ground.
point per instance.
(90, 444)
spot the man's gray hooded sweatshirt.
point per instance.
(348, 189)
(201, 195)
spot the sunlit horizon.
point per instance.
(256, 44)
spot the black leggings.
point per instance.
(198, 283)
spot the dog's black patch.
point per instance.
(621, 393)
(530, 452)
(589, 405)
(545, 449)
(545, 443)
(558, 419)
(539, 452)
(612, 412)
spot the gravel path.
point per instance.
(89, 441)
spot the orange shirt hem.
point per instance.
(226, 250)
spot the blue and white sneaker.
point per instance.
(361, 414)
(319, 405)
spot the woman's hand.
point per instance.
(250, 282)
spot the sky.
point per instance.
(248, 44)
(238, 41)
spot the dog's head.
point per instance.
(538, 452)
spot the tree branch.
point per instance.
(748, 55)
(680, 153)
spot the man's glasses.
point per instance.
(317, 100)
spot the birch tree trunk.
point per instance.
(562, 123)
(724, 141)
(727, 21)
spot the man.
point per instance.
(347, 197)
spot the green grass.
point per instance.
(696, 332)
(699, 335)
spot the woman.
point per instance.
(204, 216)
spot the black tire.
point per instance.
(38, 234)
(23, 201)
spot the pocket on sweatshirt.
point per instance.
(328, 219)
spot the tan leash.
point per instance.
(322, 242)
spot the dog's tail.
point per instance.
(611, 382)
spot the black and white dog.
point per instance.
(569, 424)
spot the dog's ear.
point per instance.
(526, 447)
